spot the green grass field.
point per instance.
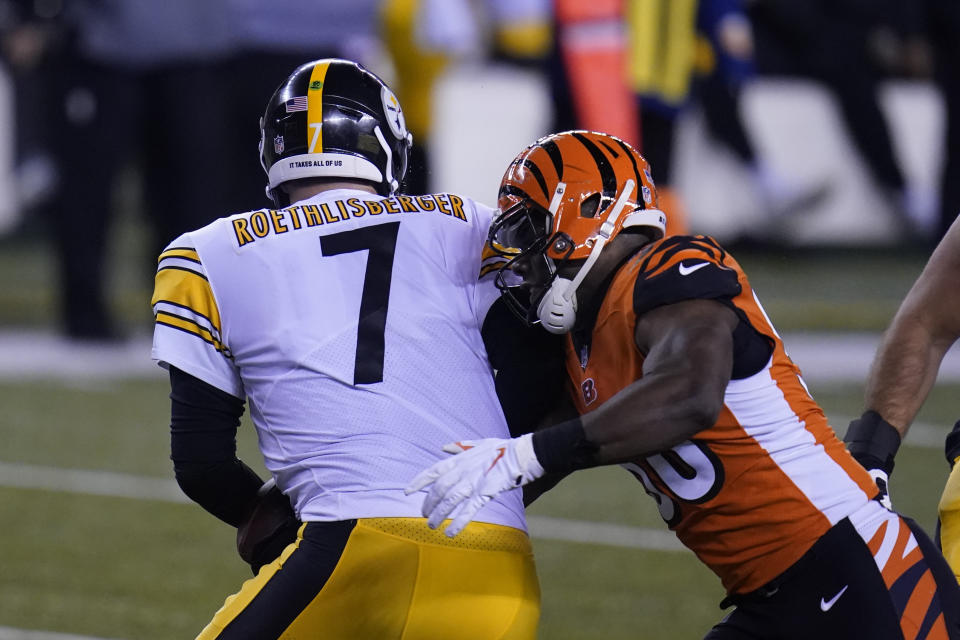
(151, 569)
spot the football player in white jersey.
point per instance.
(348, 319)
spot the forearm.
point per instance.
(226, 489)
(904, 371)
(203, 428)
(923, 329)
(655, 413)
(627, 427)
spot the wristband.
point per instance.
(873, 441)
(563, 448)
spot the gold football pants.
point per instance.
(389, 578)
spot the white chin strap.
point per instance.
(558, 307)
(557, 311)
(392, 182)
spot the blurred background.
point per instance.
(816, 139)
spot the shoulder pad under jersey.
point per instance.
(681, 268)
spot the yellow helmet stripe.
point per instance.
(315, 107)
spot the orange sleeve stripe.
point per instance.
(668, 261)
(918, 604)
(676, 249)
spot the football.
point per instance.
(269, 527)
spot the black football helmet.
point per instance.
(333, 118)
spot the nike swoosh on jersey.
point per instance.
(825, 605)
(685, 270)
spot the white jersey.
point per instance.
(351, 324)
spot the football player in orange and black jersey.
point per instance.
(678, 375)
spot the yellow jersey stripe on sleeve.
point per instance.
(186, 253)
(183, 293)
(487, 269)
(192, 327)
(491, 260)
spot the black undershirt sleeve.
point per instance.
(751, 349)
(203, 447)
(529, 364)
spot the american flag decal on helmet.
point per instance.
(299, 103)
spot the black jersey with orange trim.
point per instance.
(753, 492)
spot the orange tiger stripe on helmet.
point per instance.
(594, 168)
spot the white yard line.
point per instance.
(602, 533)
(97, 483)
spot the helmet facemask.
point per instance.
(530, 279)
(563, 199)
(523, 233)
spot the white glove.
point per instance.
(480, 470)
(883, 483)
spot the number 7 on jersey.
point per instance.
(381, 243)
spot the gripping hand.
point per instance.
(268, 528)
(874, 442)
(882, 480)
(480, 470)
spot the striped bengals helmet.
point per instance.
(334, 118)
(562, 199)
(576, 178)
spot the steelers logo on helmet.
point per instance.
(395, 119)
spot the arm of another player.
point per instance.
(530, 379)
(689, 348)
(925, 326)
(908, 359)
